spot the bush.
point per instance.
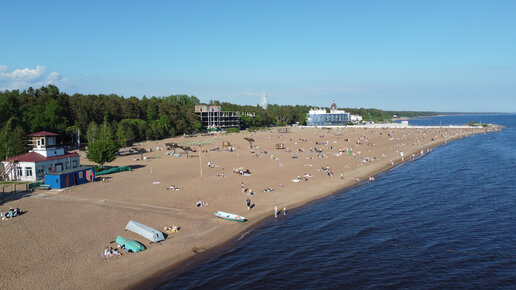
(232, 130)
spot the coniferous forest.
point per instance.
(48, 109)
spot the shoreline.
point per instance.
(97, 212)
(191, 262)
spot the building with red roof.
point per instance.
(44, 158)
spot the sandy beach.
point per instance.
(59, 241)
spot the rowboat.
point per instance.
(130, 244)
(230, 216)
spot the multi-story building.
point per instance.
(213, 118)
(46, 158)
(320, 117)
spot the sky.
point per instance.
(445, 56)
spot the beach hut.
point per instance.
(70, 177)
(145, 231)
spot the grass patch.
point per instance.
(193, 143)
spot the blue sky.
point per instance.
(394, 55)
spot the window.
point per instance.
(28, 171)
(74, 163)
(19, 171)
(43, 141)
(40, 170)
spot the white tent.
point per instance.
(145, 231)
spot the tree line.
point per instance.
(48, 109)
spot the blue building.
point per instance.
(322, 118)
(70, 177)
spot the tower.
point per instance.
(264, 103)
(333, 106)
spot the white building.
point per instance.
(319, 117)
(355, 119)
(265, 102)
(44, 158)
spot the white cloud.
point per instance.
(27, 77)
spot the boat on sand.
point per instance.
(130, 244)
(230, 216)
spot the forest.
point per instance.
(49, 109)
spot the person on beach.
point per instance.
(276, 211)
(248, 202)
(107, 252)
(341, 176)
(284, 211)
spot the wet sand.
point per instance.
(59, 241)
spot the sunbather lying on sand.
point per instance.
(200, 203)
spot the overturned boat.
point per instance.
(132, 245)
(145, 231)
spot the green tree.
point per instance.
(104, 146)
(13, 140)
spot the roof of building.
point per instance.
(36, 157)
(43, 133)
(71, 170)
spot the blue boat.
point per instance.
(130, 244)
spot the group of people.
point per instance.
(173, 187)
(10, 214)
(110, 252)
(241, 172)
(276, 211)
(173, 229)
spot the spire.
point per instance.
(333, 105)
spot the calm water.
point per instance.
(447, 220)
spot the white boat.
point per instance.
(145, 231)
(230, 216)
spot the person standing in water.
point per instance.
(284, 210)
(276, 211)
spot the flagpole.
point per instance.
(200, 159)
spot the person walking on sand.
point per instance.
(243, 189)
(341, 176)
(276, 211)
(248, 202)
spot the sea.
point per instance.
(446, 220)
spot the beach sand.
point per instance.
(58, 242)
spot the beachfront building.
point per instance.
(320, 117)
(355, 119)
(213, 118)
(45, 158)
